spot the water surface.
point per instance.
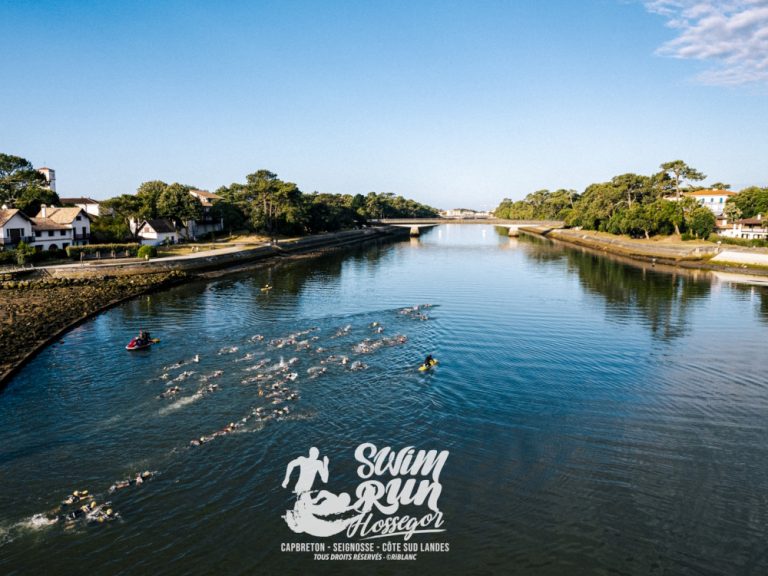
(600, 418)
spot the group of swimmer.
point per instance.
(82, 505)
(273, 387)
(272, 380)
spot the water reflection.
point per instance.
(663, 301)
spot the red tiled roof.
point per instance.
(205, 194)
(755, 221)
(82, 200)
(711, 193)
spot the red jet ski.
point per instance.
(136, 344)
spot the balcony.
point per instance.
(10, 242)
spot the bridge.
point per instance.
(417, 224)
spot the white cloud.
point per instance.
(730, 35)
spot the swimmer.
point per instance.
(119, 485)
(172, 391)
(76, 497)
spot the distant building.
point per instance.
(208, 223)
(92, 207)
(713, 199)
(157, 232)
(50, 177)
(463, 213)
(747, 228)
(57, 228)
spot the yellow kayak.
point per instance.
(425, 367)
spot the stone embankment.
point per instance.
(36, 312)
(689, 254)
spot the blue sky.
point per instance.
(451, 103)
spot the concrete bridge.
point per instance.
(418, 224)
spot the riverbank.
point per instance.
(39, 309)
(36, 313)
(667, 251)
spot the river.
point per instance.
(599, 418)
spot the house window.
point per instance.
(78, 217)
(38, 233)
(63, 233)
(721, 200)
(50, 233)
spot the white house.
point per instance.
(56, 228)
(15, 227)
(713, 199)
(91, 206)
(748, 228)
(157, 232)
(208, 223)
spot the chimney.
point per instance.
(759, 216)
(44, 210)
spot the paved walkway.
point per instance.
(742, 257)
(108, 262)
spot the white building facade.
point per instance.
(57, 228)
(713, 199)
(748, 229)
(15, 227)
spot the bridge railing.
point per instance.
(499, 221)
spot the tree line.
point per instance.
(637, 205)
(263, 203)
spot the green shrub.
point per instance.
(145, 251)
(105, 249)
(739, 241)
(686, 236)
(23, 253)
(7, 257)
(44, 255)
